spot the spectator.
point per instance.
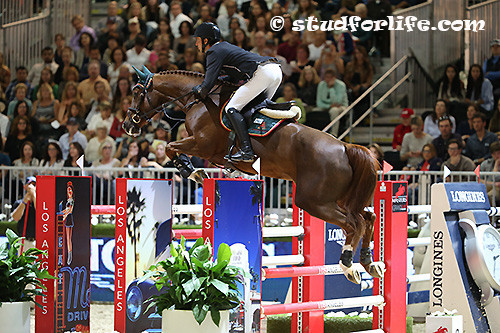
(363, 36)
(118, 60)
(66, 57)
(75, 151)
(299, 64)
(134, 158)
(103, 117)
(116, 130)
(22, 109)
(413, 142)
(103, 180)
(4, 161)
(495, 121)
(329, 58)
(491, 67)
(286, 32)
(75, 111)
(332, 96)
(241, 39)
(134, 31)
(259, 43)
(106, 159)
(138, 55)
(162, 132)
(185, 40)
(5, 125)
(135, 11)
(492, 164)
(94, 103)
(48, 61)
(82, 56)
(52, 159)
(176, 18)
(451, 90)
(430, 163)
(289, 95)
(161, 160)
(95, 55)
(431, 121)
(403, 128)
(163, 63)
(457, 161)
(224, 19)
(101, 25)
(306, 9)
(288, 49)
(163, 31)
(205, 15)
(378, 153)
(318, 45)
(358, 78)
(479, 91)
(26, 158)
(86, 87)
(113, 43)
(23, 212)
(73, 136)
(44, 111)
(60, 42)
(79, 25)
(441, 142)
(344, 43)
(69, 96)
(94, 144)
(46, 77)
(153, 12)
(4, 74)
(308, 86)
(261, 25)
(112, 31)
(21, 77)
(153, 56)
(465, 128)
(478, 144)
(122, 89)
(69, 75)
(20, 94)
(188, 60)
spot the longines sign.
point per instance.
(467, 196)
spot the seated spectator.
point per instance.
(82, 56)
(26, 159)
(176, 18)
(20, 132)
(112, 14)
(363, 36)
(153, 12)
(103, 117)
(48, 61)
(403, 128)
(259, 43)
(299, 64)
(134, 159)
(431, 161)
(413, 142)
(163, 63)
(22, 109)
(261, 25)
(4, 74)
(112, 31)
(103, 180)
(358, 78)
(288, 49)
(457, 161)
(4, 161)
(465, 128)
(161, 160)
(5, 125)
(329, 58)
(285, 34)
(305, 9)
(73, 136)
(492, 164)
(289, 95)
(44, 111)
(68, 97)
(92, 149)
(116, 130)
(75, 111)
(113, 43)
(69, 75)
(79, 25)
(378, 153)
(60, 42)
(478, 144)
(163, 32)
(122, 89)
(344, 43)
(223, 20)
(95, 55)
(308, 86)
(188, 60)
(52, 160)
(491, 68)
(380, 10)
(66, 62)
(441, 142)
(240, 39)
(135, 11)
(431, 121)
(46, 77)
(134, 31)
(20, 94)
(75, 151)
(259, 9)
(159, 130)
(332, 96)
(318, 45)
(271, 51)
(138, 55)
(185, 40)
(21, 77)
(86, 87)
(451, 90)
(106, 159)
(479, 91)
(118, 60)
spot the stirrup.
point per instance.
(241, 156)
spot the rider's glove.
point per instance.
(197, 90)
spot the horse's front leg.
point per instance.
(182, 162)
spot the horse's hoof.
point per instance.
(351, 273)
(376, 269)
(198, 176)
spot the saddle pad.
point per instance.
(261, 125)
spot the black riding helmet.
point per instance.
(209, 31)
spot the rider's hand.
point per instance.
(198, 91)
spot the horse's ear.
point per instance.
(146, 70)
(141, 75)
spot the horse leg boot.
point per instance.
(245, 154)
(186, 169)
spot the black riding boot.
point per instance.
(184, 165)
(245, 154)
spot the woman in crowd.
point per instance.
(69, 96)
(308, 86)
(186, 40)
(299, 64)
(123, 89)
(286, 32)
(430, 163)
(75, 151)
(188, 60)
(162, 31)
(118, 60)
(23, 109)
(82, 56)
(153, 12)
(52, 160)
(329, 58)
(479, 90)
(66, 62)
(465, 128)
(358, 78)
(92, 149)
(116, 130)
(240, 39)
(290, 94)
(104, 179)
(261, 25)
(378, 153)
(413, 142)
(100, 90)
(134, 159)
(44, 111)
(70, 74)
(21, 94)
(76, 111)
(20, 132)
(47, 77)
(451, 90)
(26, 158)
(259, 9)
(431, 121)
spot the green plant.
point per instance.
(191, 280)
(18, 271)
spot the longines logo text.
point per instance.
(467, 196)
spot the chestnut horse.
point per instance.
(334, 180)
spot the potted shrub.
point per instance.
(191, 285)
(20, 276)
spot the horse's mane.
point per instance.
(194, 74)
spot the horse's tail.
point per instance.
(364, 178)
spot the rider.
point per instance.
(262, 74)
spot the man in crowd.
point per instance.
(493, 182)
(177, 17)
(491, 67)
(48, 61)
(441, 142)
(403, 128)
(478, 144)
(332, 96)
(457, 161)
(73, 135)
(138, 56)
(24, 213)
(79, 24)
(86, 87)
(101, 25)
(223, 20)
(21, 77)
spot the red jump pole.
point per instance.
(391, 208)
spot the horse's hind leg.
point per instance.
(353, 237)
(375, 269)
